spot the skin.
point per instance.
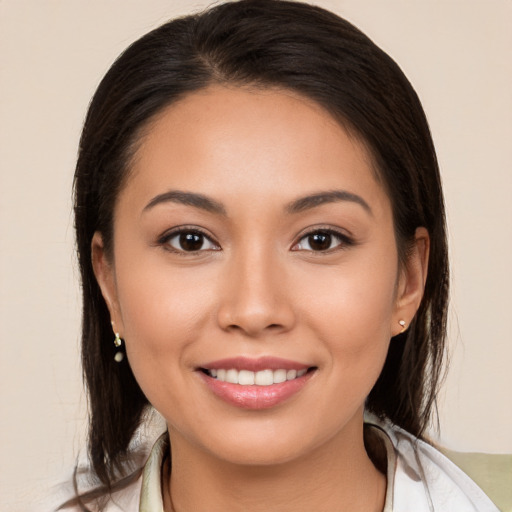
(257, 289)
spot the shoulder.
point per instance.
(126, 493)
(492, 472)
(423, 476)
(139, 490)
(125, 497)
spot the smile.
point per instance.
(255, 383)
(265, 377)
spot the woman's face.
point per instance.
(253, 243)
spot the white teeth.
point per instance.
(279, 376)
(261, 378)
(291, 374)
(245, 378)
(264, 378)
(232, 376)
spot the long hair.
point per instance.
(261, 43)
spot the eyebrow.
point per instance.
(332, 196)
(299, 205)
(187, 198)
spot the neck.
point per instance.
(338, 476)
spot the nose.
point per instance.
(255, 298)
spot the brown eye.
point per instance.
(322, 241)
(190, 241)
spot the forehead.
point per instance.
(250, 143)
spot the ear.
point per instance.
(411, 282)
(105, 275)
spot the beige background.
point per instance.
(52, 56)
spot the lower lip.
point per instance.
(255, 397)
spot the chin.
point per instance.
(266, 442)
(250, 453)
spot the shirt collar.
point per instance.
(151, 492)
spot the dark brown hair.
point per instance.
(262, 43)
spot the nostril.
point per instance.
(254, 317)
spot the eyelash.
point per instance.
(344, 240)
(185, 230)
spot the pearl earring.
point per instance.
(119, 355)
(402, 324)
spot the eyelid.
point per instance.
(346, 240)
(163, 239)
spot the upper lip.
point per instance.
(254, 364)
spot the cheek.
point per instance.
(359, 337)
(353, 304)
(156, 297)
(163, 312)
(351, 313)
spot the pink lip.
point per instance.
(255, 365)
(255, 397)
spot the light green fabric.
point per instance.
(492, 473)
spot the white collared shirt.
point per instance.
(419, 479)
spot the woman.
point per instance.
(261, 236)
